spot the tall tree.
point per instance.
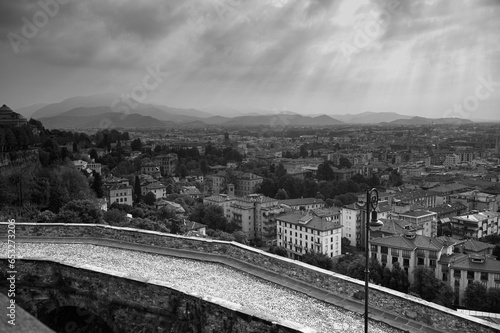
(281, 194)
(137, 189)
(136, 145)
(97, 184)
(150, 198)
(344, 163)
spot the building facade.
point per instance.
(302, 232)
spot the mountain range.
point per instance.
(103, 110)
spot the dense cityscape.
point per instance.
(295, 191)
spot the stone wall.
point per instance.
(130, 304)
(428, 313)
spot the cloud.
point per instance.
(265, 51)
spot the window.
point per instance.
(374, 248)
(374, 255)
(420, 261)
(457, 283)
(406, 253)
(384, 249)
(470, 275)
(395, 252)
(432, 263)
(484, 276)
(457, 273)
(384, 258)
(496, 277)
(420, 253)
(394, 259)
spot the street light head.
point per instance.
(375, 222)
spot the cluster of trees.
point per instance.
(16, 138)
(277, 184)
(213, 217)
(43, 187)
(425, 284)
(478, 298)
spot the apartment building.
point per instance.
(409, 250)
(244, 182)
(119, 193)
(167, 163)
(475, 225)
(444, 192)
(151, 169)
(405, 199)
(221, 200)
(476, 200)
(422, 218)
(158, 189)
(471, 264)
(256, 215)
(354, 218)
(302, 232)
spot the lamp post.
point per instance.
(371, 205)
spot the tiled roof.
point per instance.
(396, 227)
(394, 241)
(449, 188)
(323, 212)
(309, 221)
(448, 208)
(302, 201)
(420, 242)
(417, 213)
(219, 198)
(256, 198)
(463, 262)
(476, 246)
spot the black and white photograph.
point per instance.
(250, 166)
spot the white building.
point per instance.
(451, 160)
(301, 232)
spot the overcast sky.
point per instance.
(308, 56)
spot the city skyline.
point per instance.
(347, 57)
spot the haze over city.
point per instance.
(310, 57)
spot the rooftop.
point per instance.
(403, 242)
(302, 201)
(309, 221)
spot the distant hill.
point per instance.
(282, 120)
(103, 101)
(215, 120)
(370, 117)
(75, 102)
(95, 118)
(430, 121)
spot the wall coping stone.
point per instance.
(295, 262)
(210, 299)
